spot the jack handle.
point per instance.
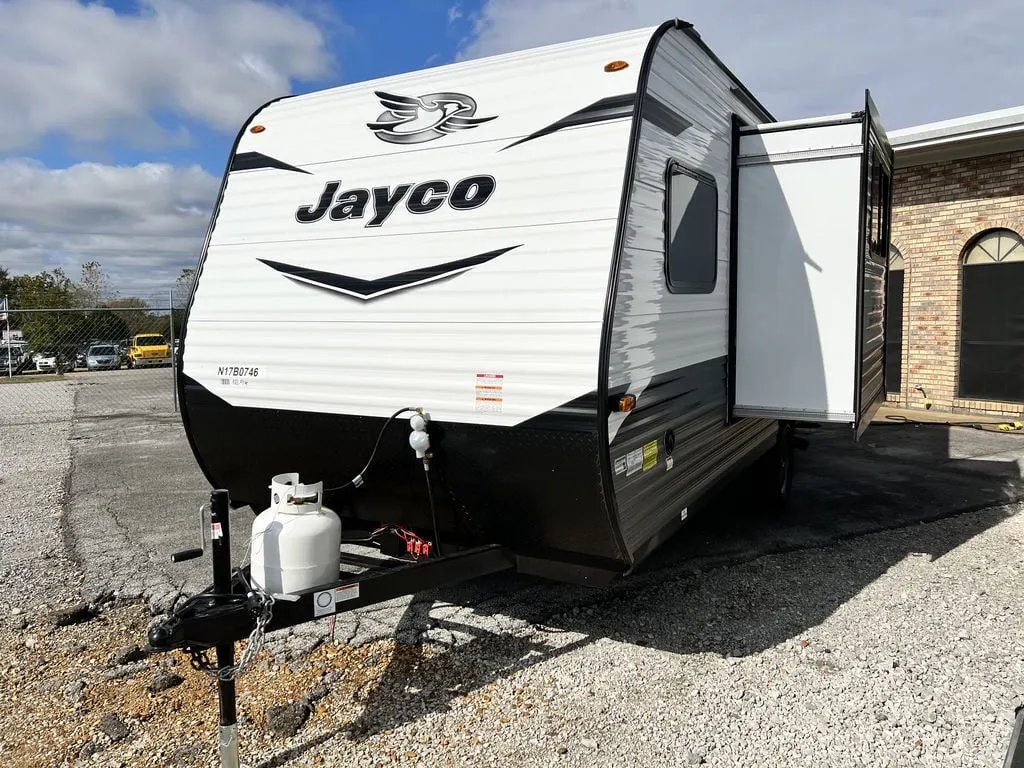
(192, 554)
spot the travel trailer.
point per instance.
(600, 276)
(526, 312)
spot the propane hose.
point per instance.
(433, 507)
(359, 479)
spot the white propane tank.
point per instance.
(296, 542)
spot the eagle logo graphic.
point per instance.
(413, 120)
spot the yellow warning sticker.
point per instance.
(650, 454)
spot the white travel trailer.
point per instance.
(610, 277)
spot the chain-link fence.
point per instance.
(124, 355)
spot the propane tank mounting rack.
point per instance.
(223, 614)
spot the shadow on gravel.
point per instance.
(894, 478)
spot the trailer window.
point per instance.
(691, 236)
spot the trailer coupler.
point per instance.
(205, 620)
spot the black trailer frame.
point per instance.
(230, 610)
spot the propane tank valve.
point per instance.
(419, 440)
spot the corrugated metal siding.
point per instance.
(671, 349)
(533, 314)
(526, 90)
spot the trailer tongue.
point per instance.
(235, 608)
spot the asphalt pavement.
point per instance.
(134, 491)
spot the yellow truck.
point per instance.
(148, 349)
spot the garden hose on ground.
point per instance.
(986, 426)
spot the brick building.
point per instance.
(955, 335)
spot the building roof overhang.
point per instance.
(986, 133)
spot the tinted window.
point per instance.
(691, 261)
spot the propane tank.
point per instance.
(296, 542)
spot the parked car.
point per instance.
(102, 357)
(52, 362)
(19, 361)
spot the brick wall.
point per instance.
(937, 210)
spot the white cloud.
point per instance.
(923, 61)
(143, 223)
(88, 73)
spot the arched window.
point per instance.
(992, 318)
(894, 322)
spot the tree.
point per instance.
(6, 283)
(107, 326)
(183, 287)
(180, 297)
(54, 330)
(135, 315)
(94, 286)
(47, 290)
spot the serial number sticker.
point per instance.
(323, 602)
(620, 465)
(684, 514)
(216, 531)
(347, 592)
(240, 375)
(634, 460)
(669, 463)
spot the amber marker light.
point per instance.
(615, 66)
(257, 129)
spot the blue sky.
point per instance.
(367, 39)
(118, 115)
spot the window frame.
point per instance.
(673, 168)
(960, 393)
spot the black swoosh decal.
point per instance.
(608, 108)
(371, 289)
(251, 161)
(660, 114)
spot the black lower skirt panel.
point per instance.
(535, 490)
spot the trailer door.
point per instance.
(812, 239)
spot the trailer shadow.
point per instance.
(715, 588)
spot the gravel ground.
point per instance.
(898, 648)
(35, 457)
(727, 667)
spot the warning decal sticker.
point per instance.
(620, 465)
(325, 602)
(650, 454)
(634, 460)
(346, 592)
(489, 392)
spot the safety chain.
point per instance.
(261, 604)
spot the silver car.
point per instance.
(103, 357)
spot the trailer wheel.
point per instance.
(775, 471)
